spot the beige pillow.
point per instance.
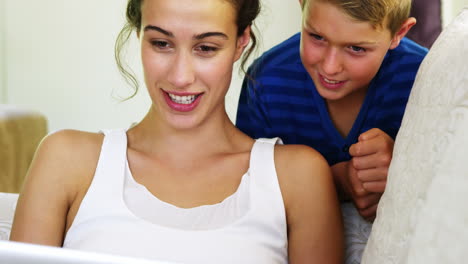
(423, 216)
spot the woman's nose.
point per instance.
(182, 72)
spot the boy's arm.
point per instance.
(341, 180)
(349, 188)
(368, 169)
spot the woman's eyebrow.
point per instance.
(155, 28)
(210, 34)
(197, 37)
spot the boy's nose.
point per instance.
(331, 62)
(182, 72)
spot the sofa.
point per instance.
(21, 130)
(422, 216)
(7, 210)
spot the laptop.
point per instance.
(22, 253)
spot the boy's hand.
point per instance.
(369, 167)
(350, 188)
(366, 202)
(371, 158)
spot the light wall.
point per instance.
(60, 62)
(451, 8)
(3, 90)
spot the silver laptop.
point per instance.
(22, 253)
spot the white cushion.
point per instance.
(7, 210)
(356, 232)
(422, 216)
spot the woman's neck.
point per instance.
(153, 136)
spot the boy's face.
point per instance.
(340, 54)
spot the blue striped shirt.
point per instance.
(281, 100)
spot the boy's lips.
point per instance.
(330, 83)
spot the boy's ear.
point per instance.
(404, 28)
(242, 42)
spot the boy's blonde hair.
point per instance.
(390, 14)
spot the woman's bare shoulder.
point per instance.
(299, 157)
(62, 167)
(71, 144)
(73, 137)
(300, 170)
(69, 151)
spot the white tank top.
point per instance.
(120, 216)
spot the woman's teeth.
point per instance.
(182, 99)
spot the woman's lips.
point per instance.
(182, 102)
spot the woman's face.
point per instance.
(188, 48)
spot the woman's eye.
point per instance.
(160, 44)
(206, 49)
(357, 49)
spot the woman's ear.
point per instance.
(242, 42)
(404, 28)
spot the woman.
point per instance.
(184, 184)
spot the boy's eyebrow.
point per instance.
(197, 37)
(362, 43)
(310, 28)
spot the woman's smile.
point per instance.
(182, 102)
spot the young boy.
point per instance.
(340, 86)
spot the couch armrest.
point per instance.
(20, 133)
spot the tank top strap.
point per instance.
(266, 196)
(107, 184)
(113, 157)
(262, 160)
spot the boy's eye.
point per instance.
(315, 36)
(357, 49)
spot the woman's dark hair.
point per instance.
(247, 11)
